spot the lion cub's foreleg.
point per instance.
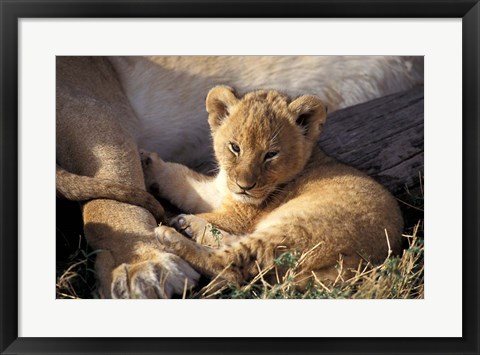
(236, 262)
(201, 230)
(188, 190)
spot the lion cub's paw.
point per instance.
(145, 157)
(151, 162)
(190, 225)
(163, 278)
(170, 240)
(197, 229)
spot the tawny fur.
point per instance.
(105, 111)
(93, 139)
(275, 189)
(83, 188)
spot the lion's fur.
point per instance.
(169, 91)
(107, 107)
(83, 188)
(94, 138)
(300, 197)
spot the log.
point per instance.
(382, 137)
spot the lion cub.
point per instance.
(275, 191)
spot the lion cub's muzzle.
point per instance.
(245, 186)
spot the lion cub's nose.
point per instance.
(245, 185)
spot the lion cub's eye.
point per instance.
(234, 148)
(270, 155)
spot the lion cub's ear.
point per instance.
(219, 102)
(310, 114)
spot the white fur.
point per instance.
(168, 93)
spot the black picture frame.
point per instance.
(11, 11)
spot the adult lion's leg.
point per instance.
(95, 127)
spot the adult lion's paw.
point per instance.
(162, 278)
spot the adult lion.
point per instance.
(109, 107)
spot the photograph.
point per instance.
(239, 177)
(254, 177)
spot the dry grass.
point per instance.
(76, 277)
(398, 277)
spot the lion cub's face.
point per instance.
(263, 139)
